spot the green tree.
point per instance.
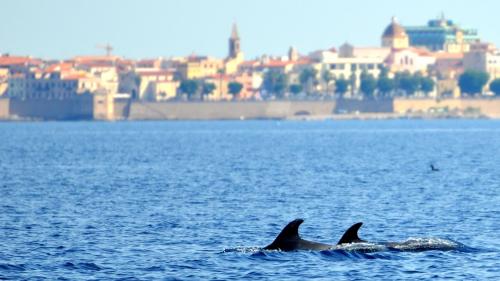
(235, 88)
(275, 82)
(295, 89)
(341, 86)
(495, 87)
(189, 87)
(385, 86)
(408, 83)
(427, 85)
(307, 78)
(207, 88)
(384, 71)
(472, 82)
(327, 78)
(368, 84)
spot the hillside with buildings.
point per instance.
(438, 66)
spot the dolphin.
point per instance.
(289, 239)
(434, 169)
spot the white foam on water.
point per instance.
(419, 243)
(365, 246)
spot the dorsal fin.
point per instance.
(289, 232)
(351, 235)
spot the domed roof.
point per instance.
(394, 29)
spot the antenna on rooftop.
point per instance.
(107, 47)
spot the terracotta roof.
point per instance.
(420, 51)
(155, 73)
(249, 63)
(59, 67)
(96, 63)
(276, 63)
(303, 60)
(444, 55)
(96, 58)
(8, 60)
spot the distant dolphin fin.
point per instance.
(351, 235)
(289, 232)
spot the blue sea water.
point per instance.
(196, 200)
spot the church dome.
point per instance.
(394, 30)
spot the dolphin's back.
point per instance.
(351, 235)
(289, 240)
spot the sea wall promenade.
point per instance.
(339, 109)
(122, 109)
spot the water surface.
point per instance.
(195, 200)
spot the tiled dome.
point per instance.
(394, 30)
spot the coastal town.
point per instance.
(438, 66)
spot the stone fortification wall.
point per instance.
(367, 106)
(223, 110)
(84, 107)
(4, 108)
(77, 108)
(487, 107)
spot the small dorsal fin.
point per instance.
(289, 232)
(351, 235)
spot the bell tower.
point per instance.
(234, 43)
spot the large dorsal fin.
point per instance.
(351, 235)
(289, 232)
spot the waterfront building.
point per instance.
(324, 56)
(442, 35)
(411, 60)
(221, 90)
(11, 65)
(16, 64)
(483, 58)
(395, 36)
(249, 66)
(276, 64)
(350, 62)
(251, 83)
(4, 78)
(50, 85)
(199, 66)
(447, 65)
(150, 63)
(156, 84)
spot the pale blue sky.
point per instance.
(149, 28)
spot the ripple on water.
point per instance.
(82, 265)
(159, 200)
(12, 267)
